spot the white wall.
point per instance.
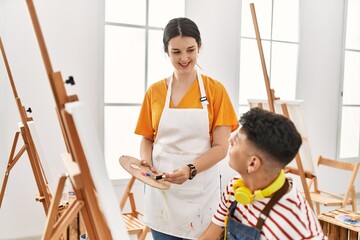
(319, 72)
(73, 35)
(219, 25)
(319, 77)
(73, 32)
(319, 69)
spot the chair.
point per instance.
(132, 219)
(331, 199)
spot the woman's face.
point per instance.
(183, 53)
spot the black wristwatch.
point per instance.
(192, 171)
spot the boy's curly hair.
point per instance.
(272, 133)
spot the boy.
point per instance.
(263, 203)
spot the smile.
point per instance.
(184, 64)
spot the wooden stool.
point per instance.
(132, 219)
(135, 226)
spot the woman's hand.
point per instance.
(147, 164)
(178, 176)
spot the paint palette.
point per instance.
(352, 219)
(132, 165)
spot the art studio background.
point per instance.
(75, 31)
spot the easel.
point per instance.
(271, 99)
(55, 225)
(44, 195)
(87, 202)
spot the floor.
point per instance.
(149, 237)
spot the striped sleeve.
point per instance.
(227, 197)
(290, 218)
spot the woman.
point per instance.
(185, 120)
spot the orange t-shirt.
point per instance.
(220, 109)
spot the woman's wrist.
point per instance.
(192, 171)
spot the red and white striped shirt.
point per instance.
(290, 218)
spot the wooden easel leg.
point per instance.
(144, 233)
(86, 216)
(299, 165)
(68, 216)
(53, 211)
(303, 181)
(317, 208)
(55, 225)
(44, 194)
(127, 192)
(353, 199)
(11, 163)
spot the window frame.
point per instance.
(270, 41)
(342, 79)
(145, 84)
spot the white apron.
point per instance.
(184, 210)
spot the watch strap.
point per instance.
(192, 171)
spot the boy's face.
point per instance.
(240, 152)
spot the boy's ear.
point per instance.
(254, 164)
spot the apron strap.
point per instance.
(232, 208)
(168, 93)
(265, 212)
(203, 98)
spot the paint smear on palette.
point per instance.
(134, 166)
(145, 174)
